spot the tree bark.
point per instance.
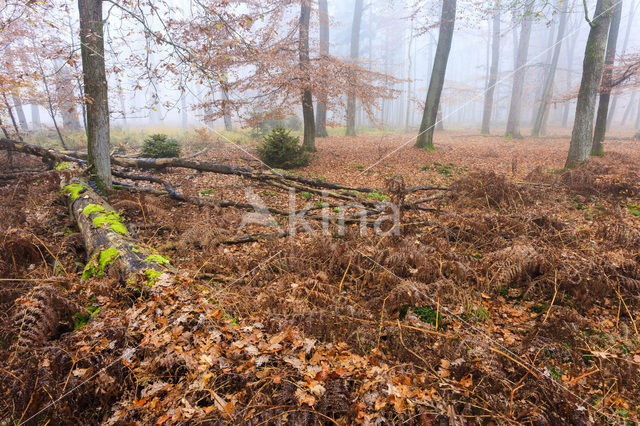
(321, 111)
(436, 83)
(493, 71)
(547, 90)
(592, 68)
(515, 108)
(600, 130)
(95, 87)
(63, 85)
(570, 53)
(355, 53)
(614, 98)
(12, 117)
(35, 117)
(22, 119)
(226, 110)
(308, 141)
(410, 64)
(627, 110)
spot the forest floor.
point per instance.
(516, 300)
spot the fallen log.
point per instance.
(110, 248)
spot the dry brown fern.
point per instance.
(512, 265)
(40, 315)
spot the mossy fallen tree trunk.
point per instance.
(110, 247)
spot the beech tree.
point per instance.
(321, 110)
(597, 147)
(493, 71)
(355, 53)
(95, 88)
(592, 69)
(436, 83)
(307, 98)
(517, 90)
(547, 90)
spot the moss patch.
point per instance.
(157, 259)
(63, 165)
(152, 275)
(111, 220)
(98, 263)
(74, 190)
(92, 208)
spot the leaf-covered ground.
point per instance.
(514, 301)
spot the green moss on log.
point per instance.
(152, 275)
(97, 264)
(92, 208)
(111, 220)
(73, 190)
(157, 259)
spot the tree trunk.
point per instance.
(355, 53)
(547, 90)
(614, 98)
(307, 98)
(321, 112)
(226, 111)
(11, 116)
(570, 53)
(63, 86)
(22, 119)
(515, 108)
(409, 59)
(47, 92)
(592, 68)
(597, 147)
(109, 246)
(493, 72)
(95, 87)
(445, 36)
(627, 110)
(35, 117)
(183, 108)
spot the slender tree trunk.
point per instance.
(355, 53)
(226, 110)
(11, 116)
(547, 90)
(63, 83)
(592, 68)
(95, 86)
(35, 117)
(447, 23)
(307, 98)
(597, 147)
(570, 54)
(493, 72)
(614, 98)
(22, 119)
(517, 91)
(183, 108)
(409, 58)
(47, 92)
(628, 109)
(321, 111)
(77, 76)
